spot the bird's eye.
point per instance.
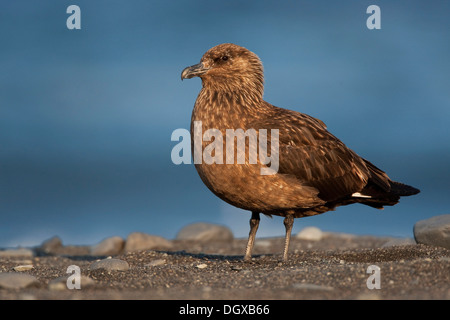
(225, 58)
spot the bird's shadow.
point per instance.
(216, 257)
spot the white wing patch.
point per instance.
(359, 195)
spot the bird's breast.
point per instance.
(232, 170)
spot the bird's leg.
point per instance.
(288, 223)
(254, 223)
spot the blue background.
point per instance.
(86, 115)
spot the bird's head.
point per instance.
(228, 67)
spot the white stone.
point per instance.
(110, 265)
(263, 243)
(312, 286)
(310, 233)
(156, 262)
(25, 267)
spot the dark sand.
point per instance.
(333, 268)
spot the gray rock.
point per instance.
(310, 233)
(20, 253)
(107, 247)
(13, 280)
(110, 265)
(51, 246)
(142, 241)
(54, 246)
(75, 250)
(434, 231)
(205, 232)
(399, 242)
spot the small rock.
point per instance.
(61, 283)
(108, 246)
(57, 285)
(27, 296)
(263, 243)
(142, 241)
(205, 232)
(202, 266)
(110, 265)
(368, 296)
(434, 231)
(54, 246)
(13, 280)
(51, 246)
(156, 262)
(311, 286)
(310, 233)
(16, 253)
(399, 242)
(23, 268)
(75, 250)
(340, 235)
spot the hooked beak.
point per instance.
(194, 71)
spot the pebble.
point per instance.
(202, 266)
(61, 283)
(142, 241)
(263, 243)
(108, 246)
(205, 232)
(13, 280)
(23, 268)
(51, 246)
(54, 246)
(310, 233)
(16, 253)
(399, 242)
(311, 286)
(434, 231)
(27, 296)
(368, 296)
(156, 262)
(110, 265)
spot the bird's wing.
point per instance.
(313, 155)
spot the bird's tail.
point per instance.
(403, 190)
(382, 191)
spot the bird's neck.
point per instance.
(225, 107)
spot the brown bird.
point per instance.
(316, 171)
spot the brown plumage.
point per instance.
(317, 172)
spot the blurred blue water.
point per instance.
(86, 115)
